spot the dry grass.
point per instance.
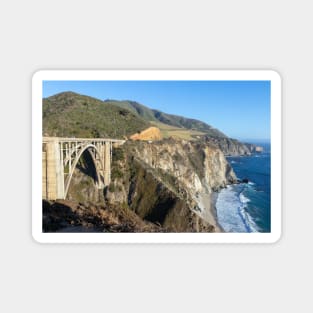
(168, 131)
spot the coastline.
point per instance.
(214, 196)
(207, 202)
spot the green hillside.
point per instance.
(69, 114)
(135, 107)
(169, 119)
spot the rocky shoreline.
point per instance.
(207, 204)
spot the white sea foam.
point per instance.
(231, 212)
(243, 199)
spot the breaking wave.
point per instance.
(231, 211)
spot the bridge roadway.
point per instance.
(61, 155)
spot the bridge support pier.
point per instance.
(54, 172)
(107, 163)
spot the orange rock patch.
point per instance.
(151, 133)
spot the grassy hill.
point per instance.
(177, 121)
(136, 108)
(168, 131)
(69, 114)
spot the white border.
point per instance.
(40, 76)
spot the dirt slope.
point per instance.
(151, 133)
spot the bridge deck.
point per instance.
(64, 139)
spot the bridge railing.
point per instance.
(74, 139)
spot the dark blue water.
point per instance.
(247, 207)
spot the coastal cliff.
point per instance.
(230, 147)
(170, 182)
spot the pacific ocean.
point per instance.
(246, 207)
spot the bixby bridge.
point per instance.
(61, 155)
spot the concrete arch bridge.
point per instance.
(61, 155)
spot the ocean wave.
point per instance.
(243, 199)
(231, 211)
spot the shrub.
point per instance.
(116, 173)
(117, 154)
(112, 187)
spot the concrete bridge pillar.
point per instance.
(54, 173)
(107, 163)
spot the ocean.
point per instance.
(246, 207)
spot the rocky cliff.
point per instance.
(197, 167)
(231, 146)
(170, 182)
(254, 148)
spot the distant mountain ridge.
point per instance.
(151, 115)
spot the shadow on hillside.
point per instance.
(57, 216)
(87, 166)
(65, 216)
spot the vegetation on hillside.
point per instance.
(168, 119)
(72, 115)
(136, 108)
(69, 114)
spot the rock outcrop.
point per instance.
(254, 148)
(231, 147)
(198, 167)
(151, 133)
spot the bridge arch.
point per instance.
(98, 164)
(60, 157)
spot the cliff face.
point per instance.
(230, 146)
(197, 167)
(254, 148)
(165, 182)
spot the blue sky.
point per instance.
(240, 109)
